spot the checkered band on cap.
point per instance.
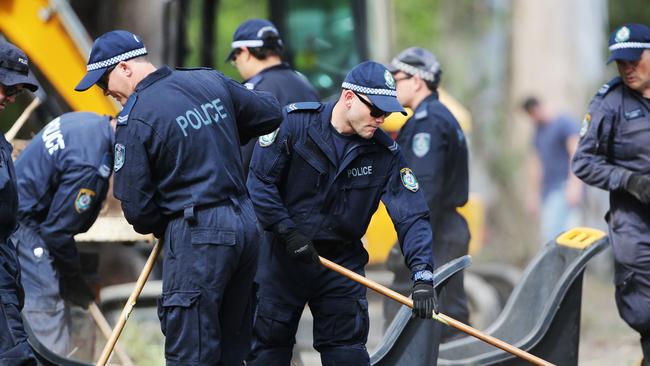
(247, 43)
(116, 59)
(412, 70)
(366, 90)
(622, 45)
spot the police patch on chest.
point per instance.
(269, 139)
(84, 200)
(408, 179)
(421, 144)
(120, 154)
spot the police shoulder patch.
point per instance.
(250, 84)
(268, 139)
(123, 117)
(421, 114)
(421, 144)
(120, 155)
(302, 106)
(84, 200)
(585, 124)
(408, 179)
(608, 86)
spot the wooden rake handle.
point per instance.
(130, 304)
(439, 317)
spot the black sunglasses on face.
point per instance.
(12, 90)
(103, 81)
(374, 111)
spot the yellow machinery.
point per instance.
(54, 40)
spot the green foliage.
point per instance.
(628, 11)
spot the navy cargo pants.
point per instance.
(206, 308)
(338, 305)
(14, 350)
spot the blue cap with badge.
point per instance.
(110, 49)
(14, 67)
(627, 43)
(254, 33)
(376, 82)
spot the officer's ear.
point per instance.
(347, 96)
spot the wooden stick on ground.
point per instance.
(439, 317)
(126, 312)
(105, 328)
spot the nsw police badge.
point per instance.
(585, 124)
(622, 35)
(390, 82)
(408, 179)
(268, 140)
(84, 200)
(120, 154)
(421, 144)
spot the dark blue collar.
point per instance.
(153, 77)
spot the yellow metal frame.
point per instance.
(34, 27)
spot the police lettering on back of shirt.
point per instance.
(63, 179)
(217, 110)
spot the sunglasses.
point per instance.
(233, 60)
(12, 90)
(103, 81)
(374, 110)
(404, 78)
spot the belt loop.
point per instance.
(188, 215)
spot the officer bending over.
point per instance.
(15, 77)
(257, 54)
(315, 185)
(614, 155)
(178, 173)
(62, 181)
(435, 148)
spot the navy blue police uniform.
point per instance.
(178, 174)
(286, 84)
(14, 350)
(62, 181)
(435, 147)
(612, 154)
(300, 179)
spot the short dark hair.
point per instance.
(433, 85)
(272, 47)
(529, 103)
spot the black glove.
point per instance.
(76, 290)
(299, 247)
(425, 300)
(639, 187)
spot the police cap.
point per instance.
(110, 49)
(627, 43)
(254, 33)
(14, 67)
(416, 61)
(377, 83)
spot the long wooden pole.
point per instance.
(106, 330)
(439, 317)
(130, 304)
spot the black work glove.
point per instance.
(76, 290)
(299, 247)
(425, 300)
(639, 187)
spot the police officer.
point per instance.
(15, 76)
(614, 155)
(435, 148)
(178, 172)
(315, 184)
(257, 54)
(62, 181)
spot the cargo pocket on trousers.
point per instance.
(275, 325)
(179, 321)
(342, 322)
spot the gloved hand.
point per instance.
(299, 247)
(639, 186)
(425, 300)
(76, 290)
